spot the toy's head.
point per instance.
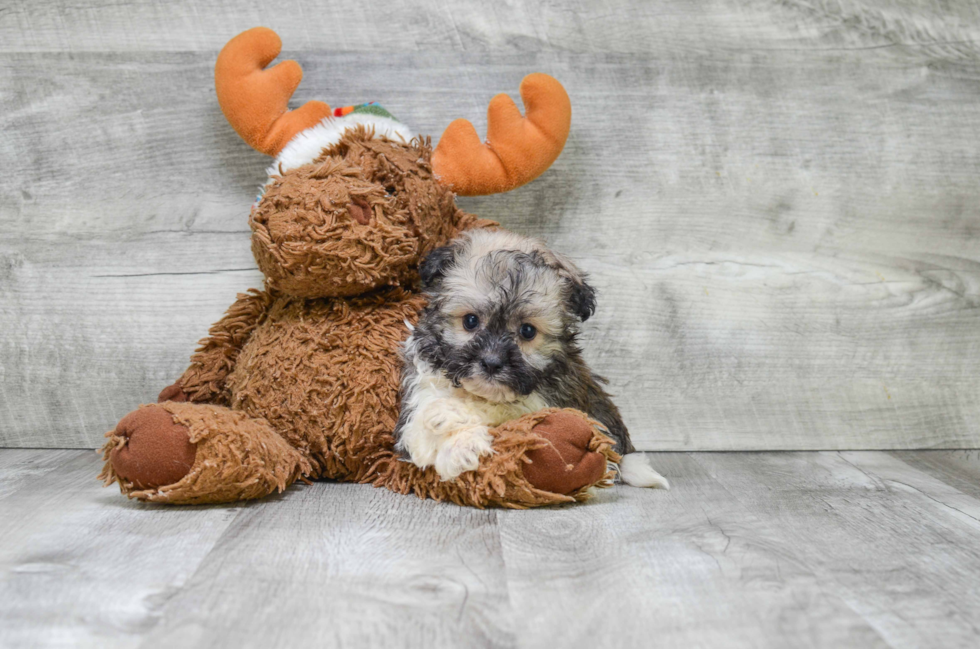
(354, 200)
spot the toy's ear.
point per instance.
(435, 264)
(517, 150)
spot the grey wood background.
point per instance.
(825, 549)
(779, 201)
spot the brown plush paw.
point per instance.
(173, 393)
(566, 464)
(158, 452)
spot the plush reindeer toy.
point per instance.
(300, 379)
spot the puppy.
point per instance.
(497, 340)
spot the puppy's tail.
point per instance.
(636, 471)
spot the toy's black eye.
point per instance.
(470, 322)
(528, 332)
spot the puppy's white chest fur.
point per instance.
(449, 426)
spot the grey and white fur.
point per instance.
(497, 340)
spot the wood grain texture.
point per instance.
(82, 566)
(960, 469)
(827, 549)
(894, 553)
(352, 565)
(469, 25)
(777, 201)
(688, 567)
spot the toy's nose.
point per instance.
(360, 211)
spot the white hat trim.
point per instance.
(306, 146)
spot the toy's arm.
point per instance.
(547, 457)
(204, 380)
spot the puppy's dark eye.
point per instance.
(528, 332)
(470, 322)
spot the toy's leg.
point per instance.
(547, 457)
(189, 453)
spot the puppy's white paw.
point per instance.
(462, 451)
(637, 472)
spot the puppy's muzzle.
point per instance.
(491, 363)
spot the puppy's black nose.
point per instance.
(491, 364)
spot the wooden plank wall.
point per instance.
(778, 201)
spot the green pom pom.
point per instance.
(372, 109)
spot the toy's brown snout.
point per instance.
(342, 226)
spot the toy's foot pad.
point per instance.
(566, 464)
(157, 452)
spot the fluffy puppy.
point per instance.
(497, 341)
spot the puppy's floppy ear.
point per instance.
(581, 299)
(435, 264)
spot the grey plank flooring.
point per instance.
(960, 469)
(433, 576)
(103, 566)
(777, 200)
(691, 567)
(822, 549)
(893, 554)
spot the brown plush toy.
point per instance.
(300, 380)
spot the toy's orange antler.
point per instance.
(255, 100)
(517, 151)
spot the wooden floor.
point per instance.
(823, 549)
